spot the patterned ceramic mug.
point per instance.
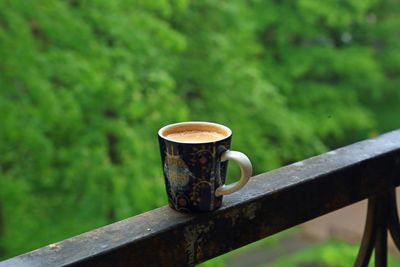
(194, 158)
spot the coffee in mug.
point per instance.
(195, 158)
(195, 136)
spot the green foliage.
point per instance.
(330, 254)
(85, 85)
(81, 94)
(247, 251)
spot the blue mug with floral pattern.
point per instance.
(194, 158)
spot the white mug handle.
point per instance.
(245, 168)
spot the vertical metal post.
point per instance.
(393, 219)
(369, 236)
(381, 233)
(382, 216)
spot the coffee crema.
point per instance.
(195, 136)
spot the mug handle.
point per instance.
(245, 169)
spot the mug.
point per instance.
(195, 167)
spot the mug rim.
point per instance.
(166, 127)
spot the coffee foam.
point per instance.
(195, 136)
(195, 132)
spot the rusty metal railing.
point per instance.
(272, 202)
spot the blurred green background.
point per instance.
(85, 85)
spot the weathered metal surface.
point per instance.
(270, 203)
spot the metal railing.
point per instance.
(270, 203)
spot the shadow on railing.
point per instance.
(272, 202)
